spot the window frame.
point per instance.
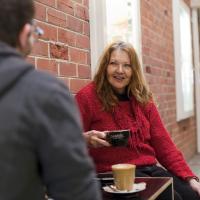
(180, 112)
(98, 40)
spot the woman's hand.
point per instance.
(195, 185)
(96, 139)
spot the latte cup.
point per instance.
(124, 176)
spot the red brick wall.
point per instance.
(64, 51)
(158, 60)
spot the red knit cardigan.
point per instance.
(150, 140)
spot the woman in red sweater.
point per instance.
(118, 99)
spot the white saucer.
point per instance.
(136, 188)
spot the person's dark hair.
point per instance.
(137, 86)
(14, 14)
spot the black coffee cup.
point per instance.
(118, 137)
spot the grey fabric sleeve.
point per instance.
(65, 165)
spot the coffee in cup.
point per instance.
(124, 176)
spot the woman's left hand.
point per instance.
(195, 185)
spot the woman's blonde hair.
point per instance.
(137, 86)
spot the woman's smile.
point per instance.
(119, 70)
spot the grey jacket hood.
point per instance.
(9, 73)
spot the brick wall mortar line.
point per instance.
(78, 78)
(46, 23)
(77, 48)
(82, 20)
(64, 29)
(49, 54)
(56, 9)
(77, 33)
(47, 19)
(56, 4)
(57, 34)
(77, 69)
(59, 75)
(47, 6)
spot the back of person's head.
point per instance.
(137, 86)
(14, 14)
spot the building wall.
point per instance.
(158, 61)
(64, 50)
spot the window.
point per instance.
(112, 20)
(183, 60)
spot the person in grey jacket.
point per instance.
(42, 150)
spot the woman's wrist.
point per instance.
(87, 136)
(192, 178)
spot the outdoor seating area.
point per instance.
(100, 100)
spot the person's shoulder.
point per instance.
(42, 85)
(27, 74)
(150, 109)
(87, 90)
(43, 79)
(146, 107)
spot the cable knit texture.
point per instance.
(149, 139)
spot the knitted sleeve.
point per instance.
(166, 151)
(84, 108)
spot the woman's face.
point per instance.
(119, 70)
